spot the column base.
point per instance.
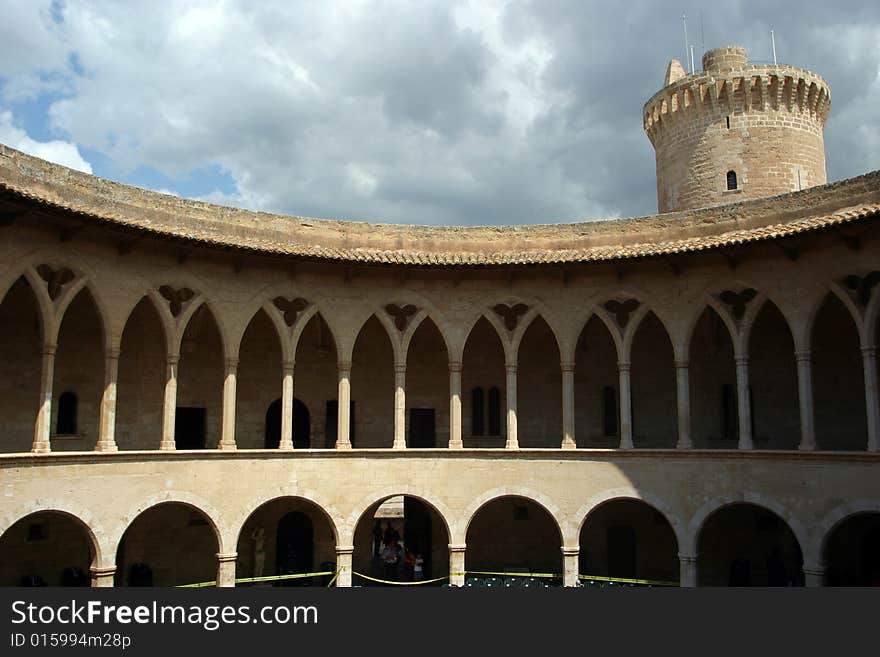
(103, 577)
(106, 447)
(228, 447)
(568, 444)
(684, 445)
(343, 445)
(456, 445)
(168, 445)
(41, 448)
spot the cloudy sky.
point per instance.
(427, 112)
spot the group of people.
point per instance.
(398, 564)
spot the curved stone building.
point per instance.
(193, 393)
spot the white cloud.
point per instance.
(59, 152)
(441, 111)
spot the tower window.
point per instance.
(731, 180)
(728, 123)
(66, 421)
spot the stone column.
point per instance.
(568, 439)
(343, 565)
(107, 422)
(683, 396)
(814, 575)
(226, 569)
(43, 425)
(170, 408)
(869, 365)
(102, 577)
(805, 399)
(744, 408)
(455, 441)
(227, 429)
(399, 406)
(286, 441)
(456, 564)
(626, 429)
(512, 440)
(687, 565)
(570, 566)
(344, 415)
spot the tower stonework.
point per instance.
(736, 131)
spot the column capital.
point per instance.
(567, 365)
(510, 369)
(226, 557)
(687, 558)
(682, 364)
(288, 365)
(344, 365)
(342, 550)
(803, 355)
(869, 352)
(400, 368)
(455, 548)
(623, 366)
(49, 349)
(568, 551)
(815, 571)
(172, 359)
(455, 366)
(231, 363)
(741, 361)
(112, 353)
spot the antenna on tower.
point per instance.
(685, 22)
(693, 70)
(702, 34)
(773, 43)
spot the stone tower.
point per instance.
(736, 131)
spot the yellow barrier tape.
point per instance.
(481, 572)
(330, 583)
(386, 581)
(247, 580)
(622, 580)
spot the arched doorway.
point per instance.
(395, 532)
(513, 535)
(483, 385)
(630, 539)
(852, 552)
(653, 397)
(294, 546)
(46, 548)
(20, 342)
(170, 544)
(287, 536)
(747, 545)
(301, 425)
(712, 371)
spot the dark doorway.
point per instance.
(301, 425)
(294, 551)
(417, 530)
(189, 427)
(621, 552)
(422, 427)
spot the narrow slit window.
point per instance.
(66, 424)
(478, 424)
(609, 411)
(494, 412)
(731, 180)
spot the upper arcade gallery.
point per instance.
(751, 326)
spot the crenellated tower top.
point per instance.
(736, 131)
